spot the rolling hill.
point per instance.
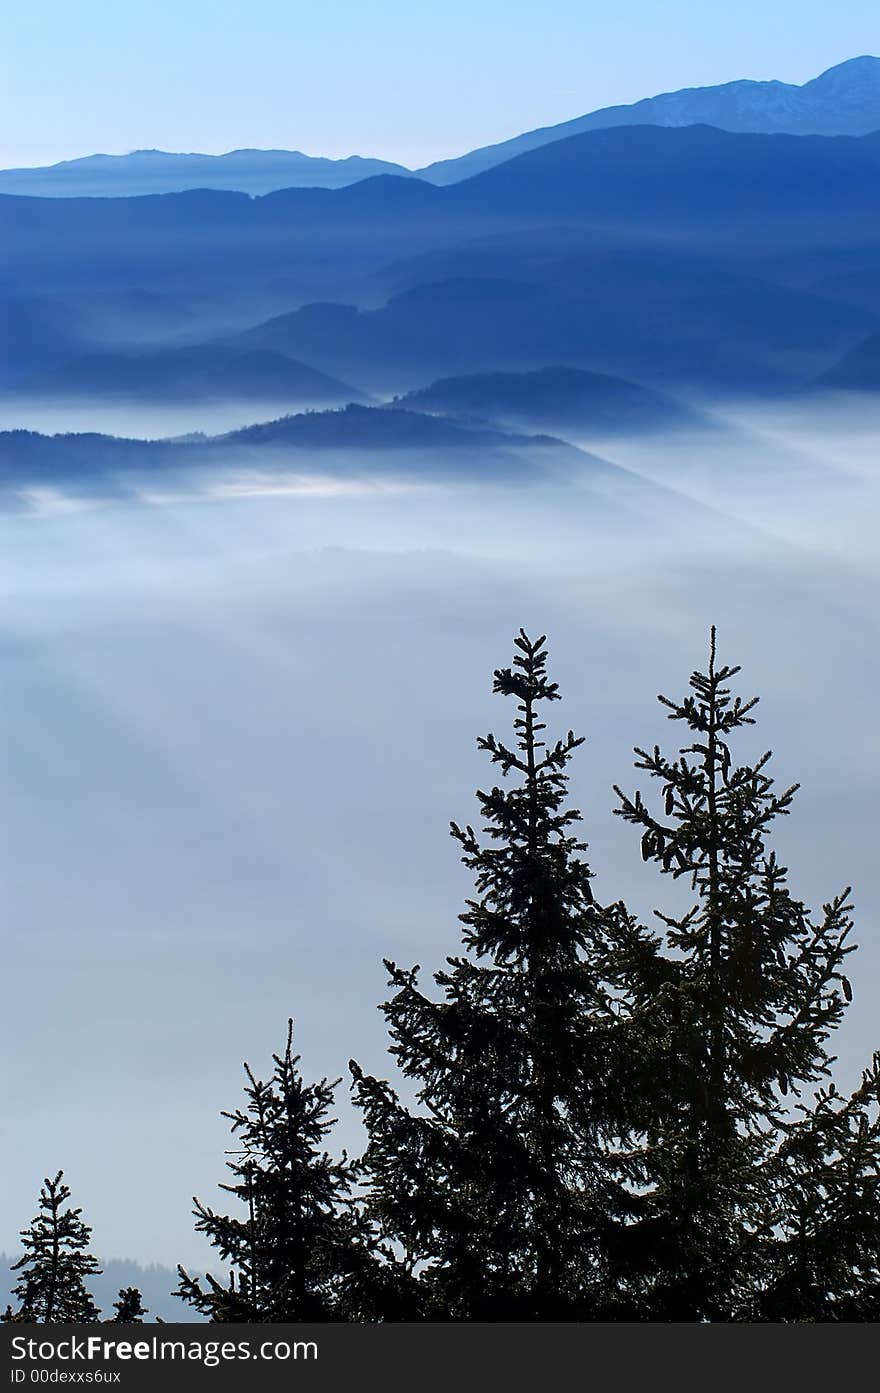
(557, 398)
(373, 441)
(642, 321)
(358, 447)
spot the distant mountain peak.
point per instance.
(842, 100)
(865, 62)
(147, 171)
(856, 78)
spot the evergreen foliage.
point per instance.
(299, 1251)
(51, 1289)
(129, 1307)
(754, 1209)
(500, 1195)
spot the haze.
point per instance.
(237, 723)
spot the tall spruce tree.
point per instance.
(299, 1250)
(51, 1289)
(758, 1205)
(499, 1194)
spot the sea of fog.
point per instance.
(236, 722)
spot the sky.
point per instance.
(412, 83)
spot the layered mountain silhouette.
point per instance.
(666, 324)
(356, 449)
(844, 100)
(376, 441)
(162, 171)
(678, 258)
(624, 184)
(356, 445)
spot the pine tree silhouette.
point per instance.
(300, 1250)
(500, 1196)
(51, 1289)
(753, 1209)
(129, 1307)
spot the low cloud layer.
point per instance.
(235, 728)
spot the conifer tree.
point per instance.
(51, 1289)
(129, 1307)
(499, 1194)
(758, 1205)
(826, 1262)
(298, 1250)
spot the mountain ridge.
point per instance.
(767, 108)
(552, 397)
(678, 257)
(244, 170)
(842, 100)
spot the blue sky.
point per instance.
(403, 80)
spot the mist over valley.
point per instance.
(282, 473)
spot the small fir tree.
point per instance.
(753, 1209)
(51, 1289)
(299, 1250)
(500, 1196)
(129, 1307)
